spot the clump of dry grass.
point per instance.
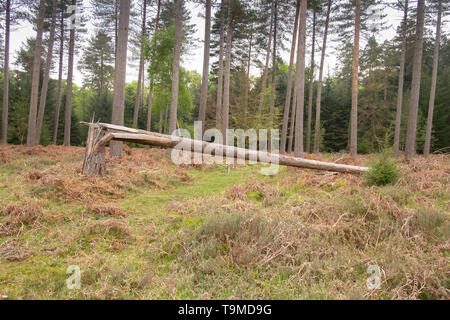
(4, 157)
(114, 227)
(255, 190)
(107, 210)
(11, 250)
(16, 216)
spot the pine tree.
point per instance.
(410, 146)
(31, 135)
(176, 65)
(48, 66)
(120, 73)
(287, 103)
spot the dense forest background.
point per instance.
(151, 37)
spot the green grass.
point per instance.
(197, 238)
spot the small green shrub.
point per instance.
(383, 171)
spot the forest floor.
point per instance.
(152, 230)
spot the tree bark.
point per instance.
(247, 78)
(410, 148)
(68, 112)
(287, 102)
(274, 68)
(120, 72)
(150, 93)
(319, 84)
(31, 134)
(60, 73)
(354, 113)
(176, 66)
(266, 65)
(398, 117)
(141, 68)
(48, 66)
(4, 135)
(206, 48)
(292, 126)
(311, 86)
(219, 121)
(426, 150)
(300, 81)
(226, 84)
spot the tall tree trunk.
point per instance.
(48, 66)
(266, 65)
(319, 84)
(311, 85)
(292, 125)
(204, 90)
(150, 93)
(120, 73)
(60, 74)
(176, 66)
(426, 150)
(31, 135)
(141, 68)
(137, 102)
(410, 148)
(4, 135)
(300, 81)
(398, 117)
(247, 78)
(354, 113)
(68, 112)
(274, 67)
(219, 121)
(287, 102)
(226, 83)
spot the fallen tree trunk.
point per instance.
(97, 145)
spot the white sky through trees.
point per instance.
(193, 60)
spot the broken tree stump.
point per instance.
(94, 156)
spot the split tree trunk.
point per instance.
(101, 133)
